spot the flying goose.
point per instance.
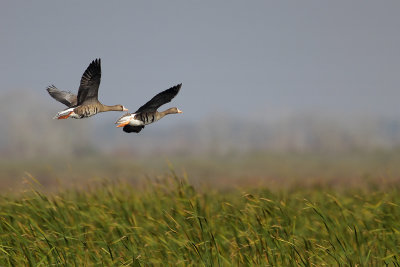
(86, 103)
(146, 114)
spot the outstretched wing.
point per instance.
(90, 81)
(160, 99)
(67, 98)
(132, 129)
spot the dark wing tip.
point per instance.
(176, 88)
(95, 65)
(92, 72)
(50, 88)
(90, 82)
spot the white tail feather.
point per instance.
(125, 118)
(63, 113)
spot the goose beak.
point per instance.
(180, 111)
(124, 109)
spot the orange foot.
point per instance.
(65, 116)
(123, 124)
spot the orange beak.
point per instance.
(180, 111)
(124, 109)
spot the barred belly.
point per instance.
(86, 111)
(146, 118)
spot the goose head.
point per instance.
(173, 111)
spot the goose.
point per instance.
(146, 114)
(85, 104)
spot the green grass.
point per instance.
(167, 221)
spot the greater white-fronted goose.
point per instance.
(86, 103)
(146, 114)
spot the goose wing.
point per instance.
(90, 81)
(135, 129)
(160, 99)
(67, 98)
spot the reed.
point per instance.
(169, 222)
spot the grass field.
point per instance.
(167, 221)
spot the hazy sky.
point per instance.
(239, 57)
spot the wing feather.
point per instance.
(160, 99)
(90, 82)
(135, 129)
(67, 98)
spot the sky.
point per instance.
(240, 58)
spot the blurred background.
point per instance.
(276, 93)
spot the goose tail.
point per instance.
(65, 114)
(124, 120)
